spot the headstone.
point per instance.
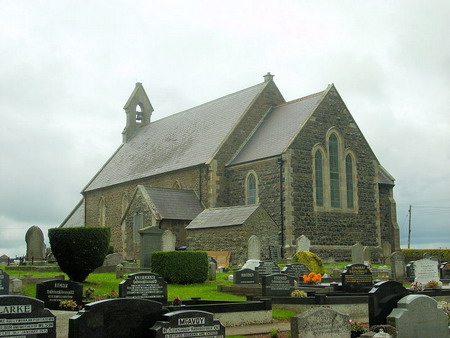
(52, 292)
(303, 243)
(357, 254)
(168, 241)
(426, 270)
(445, 270)
(278, 285)
(254, 248)
(356, 278)
(398, 266)
(145, 285)
(275, 252)
(113, 259)
(296, 270)
(189, 323)
(119, 271)
(35, 244)
(4, 283)
(367, 255)
(410, 275)
(427, 255)
(119, 317)
(245, 276)
(22, 316)
(150, 242)
(4, 259)
(387, 251)
(383, 297)
(419, 316)
(16, 286)
(211, 271)
(267, 268)
(320, 323)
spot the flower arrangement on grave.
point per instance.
(298, 293)
(68, 305)
(417, 286)
(357, 328)
(88, 293)
(432, 284)
(312, 278)
(176, 301)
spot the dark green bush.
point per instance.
(181, 267)
(79, 251)
(416, 254)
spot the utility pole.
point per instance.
(409, 228)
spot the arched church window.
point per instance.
(139, 114)
(318, 170)
(176, 185)
(102, 212)
(333, 144)
(138, 223)
(251, 189)
(349, 181)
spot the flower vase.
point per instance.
(355, 334)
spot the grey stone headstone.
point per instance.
(387, 251)
(426, 270)
(278, 285)
(4, 283)
(398, 266)
(212, 271)
(150, 242)
(254, 248)
(251, 264)
(119, 317)
(168, 241)
(188, 323)
(52, 292)
(367, 252)
(245, 276)
(275, 252)
(16, 286)
(145, 285)
(25, 317)
(113, 259)
(320, 323)
(119, 271)
(303, 243)
(357, 254)
(419, 316)
(35, 244)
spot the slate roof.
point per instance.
(76, 217)
(384, 177)
(221, 217)
(179, 141)
(278, 129)
(175, 203)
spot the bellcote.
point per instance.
(139, 111)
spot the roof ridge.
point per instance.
(300, 99)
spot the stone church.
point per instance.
(248, 163)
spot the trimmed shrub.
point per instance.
(181, 267)
(416, 254)
(312, 261)
(79, 251)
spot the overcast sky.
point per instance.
(68, 67)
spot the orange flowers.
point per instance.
(312, 278)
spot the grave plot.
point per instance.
(22, 316)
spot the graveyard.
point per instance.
(302, 297)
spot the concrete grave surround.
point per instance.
(417, 316)
(251, 264)
(320, 323)
(303, 243)
(35, 244)
(398, 267)
(168, 241)
(426, 270)
(357, 254)
(254, 248)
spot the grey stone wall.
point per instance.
(235, 238)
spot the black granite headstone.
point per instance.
(383, 297)
(356, 278)
(245, 276)
(267, 268)
(296, 270)
(410, 273)
(145, 285)
(277, 285)
(118, 317)
(189, 323)
(445, 270)
(275, 252)
(52, 292)
(4, 283)
(22, 316)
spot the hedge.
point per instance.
(416, 254)
(79, 251)
(311, 260)
(181, 267)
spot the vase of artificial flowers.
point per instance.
(357, 329)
